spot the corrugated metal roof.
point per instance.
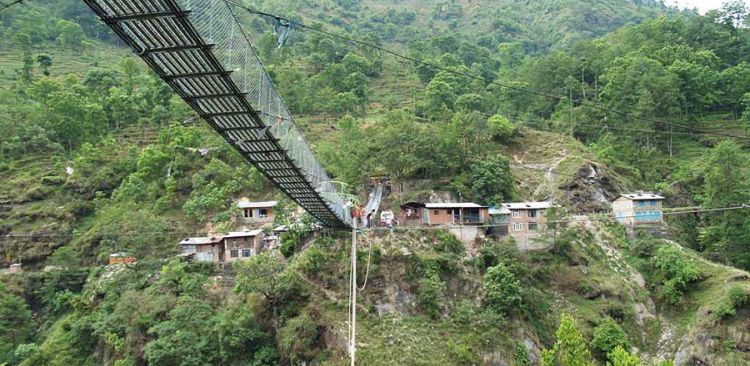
(454, 205)
(528, 205)
(201, 240)
(242, 234)
(264, 204)
(500, 211)
(643, 196)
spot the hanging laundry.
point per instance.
(282, 28)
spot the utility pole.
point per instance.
(353, 294)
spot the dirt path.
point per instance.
(548, 169)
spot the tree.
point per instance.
(267, 275)
(727, 184)
(697, 84)
(608, 336)
(620, 357)
(71, 34)
(500, 128)
(570, 347)
(24, 41)
(726, 178)
(735, 82)
(642, 86)
(492, 180)
(45, 62)
(16, 324)
(502, 289)
(674, 271)
(184, 338)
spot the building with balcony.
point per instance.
(464, 213)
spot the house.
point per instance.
(638, 208)
(499, 219)
(465, 213)
(15, 268)
(256, 212)
(411, 214)
(527, 217)
(121, 258)
(241, 245)
(205, 249)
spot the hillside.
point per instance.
(574, 102)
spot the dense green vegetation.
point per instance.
(98, 156)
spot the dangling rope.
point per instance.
(367, 270)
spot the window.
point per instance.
(518, 226)
(233, 253)
(248, 212)
(263, 213)
(516, 213)
(247, 253)
(449, 212)
(233, 244)
(532, 213)
(532, 226)
(436, 212)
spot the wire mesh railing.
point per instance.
(200, 49)
(218, 25)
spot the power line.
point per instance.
(476, 77)
(8, 5)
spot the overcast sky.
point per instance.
(702, 5)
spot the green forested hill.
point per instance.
(98, 156)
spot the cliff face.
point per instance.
(425, 303)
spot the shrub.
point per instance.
(430, 289)
(739, 296)
(448, 243)
(522, 355)
(570, 348)
(621, 357)
(299, 339)
(723, 310)
(464, 312)
(608, 336)
(675, 271)
(464, 355)
(644, 247)
(502, 289)
(727, 308)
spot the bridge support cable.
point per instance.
(198, 48)
(373, 204)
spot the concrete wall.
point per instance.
(467, 234)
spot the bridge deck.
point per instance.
(198, 48)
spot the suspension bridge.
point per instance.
(199, 49)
